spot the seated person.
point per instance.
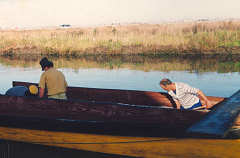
(22, 91)
(52, 80)
(185, 96)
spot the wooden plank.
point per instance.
(147, 147)
(217, 122)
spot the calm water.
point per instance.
(211, 83)
(214, 77)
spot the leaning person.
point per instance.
(185, 96)
(52, 80)
(20, 91)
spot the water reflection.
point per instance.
(164, 63)
(215, 75)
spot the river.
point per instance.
(214, 76)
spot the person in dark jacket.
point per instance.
(32, 90)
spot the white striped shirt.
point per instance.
(185, 94)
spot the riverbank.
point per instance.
(201, 37)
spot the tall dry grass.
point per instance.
(188, 37)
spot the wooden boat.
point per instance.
(132, 123)
(112, 106)
(131, 97)
(100, 114)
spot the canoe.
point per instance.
(131, 97)
(141, 108)
(138, 124)
(99, 114)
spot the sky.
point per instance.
(43, 13)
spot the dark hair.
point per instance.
(45, 63)
(165, 82)
(50, 64)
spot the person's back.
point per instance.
(54, 80)
(17, 91)
(185, 96)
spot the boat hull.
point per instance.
(97, 113)
(105, 126)
(148, 147)
(131, 97)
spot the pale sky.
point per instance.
(37, 13)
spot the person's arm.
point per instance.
(65, 82)
(200, 94)
(175, 99)
(178, 104)
(41, 92)
(42, 84)
(203, 96)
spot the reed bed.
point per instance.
(204, 37)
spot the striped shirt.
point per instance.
(185, 94)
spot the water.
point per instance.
(142, 74)
(211, 83)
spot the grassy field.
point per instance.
(205, 37)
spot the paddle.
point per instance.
(217, 122)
